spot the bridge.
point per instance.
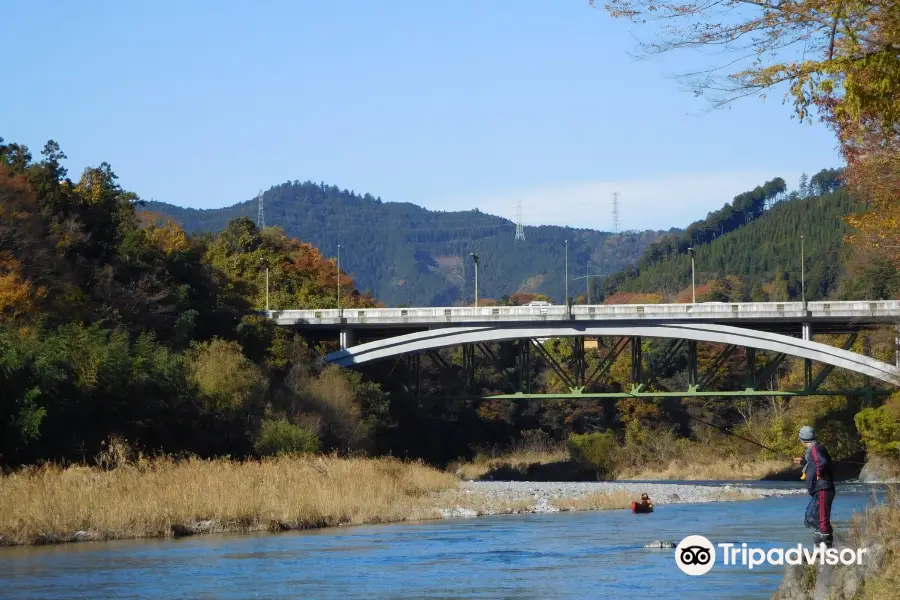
(781, 328)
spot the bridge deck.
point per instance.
(766, 315)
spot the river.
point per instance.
(537, 556)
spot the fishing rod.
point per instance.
(728, 431)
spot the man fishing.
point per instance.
(819, 478)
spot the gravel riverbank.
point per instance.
(474, 498)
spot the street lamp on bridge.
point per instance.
(802, 274)
(567, 272)
(475, 258)
(339, 277)
(693, 286)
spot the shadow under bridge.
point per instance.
(682, 335)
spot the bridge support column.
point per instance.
(807, 373)
(414, 374)
(692, 362)
(525, 366)
(807, 364)
(897, 345)
(578, 355)
(751, 367)
(636, 360)
(469, 367)
(348, 338)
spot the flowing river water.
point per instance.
(537, 556)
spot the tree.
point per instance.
(833, 55)
(803, 187)
(838, 60)
(229, 383)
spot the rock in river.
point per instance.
(659, 544)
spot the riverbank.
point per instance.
(165, 498)
(556, 465)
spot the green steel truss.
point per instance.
(577, 379)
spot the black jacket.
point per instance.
(819, 475)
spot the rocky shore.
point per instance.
(475, 498)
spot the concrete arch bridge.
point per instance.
(776, 330)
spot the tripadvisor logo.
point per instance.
(696, 555)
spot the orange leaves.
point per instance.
(686, 295)
(634, 298)
(17, 296)
(497, 410)
(848, 68)
(636, 409)
(299, 275)
(20, 233)
(168, 236)
(92, 187)
(875, 178)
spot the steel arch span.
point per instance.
(701, 332)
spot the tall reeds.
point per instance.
(163, 497)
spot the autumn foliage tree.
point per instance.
(118, 323)
(838, 61)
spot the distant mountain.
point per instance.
(405, 254)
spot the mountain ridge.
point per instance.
(405, 253)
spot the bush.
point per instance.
(596, 451)
(879, 428)
(280, 436)
(228, 381)
(646, 444)
(333, 396)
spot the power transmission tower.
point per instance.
(260, 215)
(615, 212)
(520, 229)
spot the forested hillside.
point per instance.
(116, 323)
(750, 252)
(405, 254)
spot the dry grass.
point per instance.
(684, 470)
(517, 460)
(881, 525)
(597, 501)
(722, 470)
(161, 497)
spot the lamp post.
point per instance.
(567, 272)
(802, 273)
(693, 286)
(339, 277)
(475, 258)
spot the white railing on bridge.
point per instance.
(887, 310)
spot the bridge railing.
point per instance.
(886, 309)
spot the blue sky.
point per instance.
(446, 103)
